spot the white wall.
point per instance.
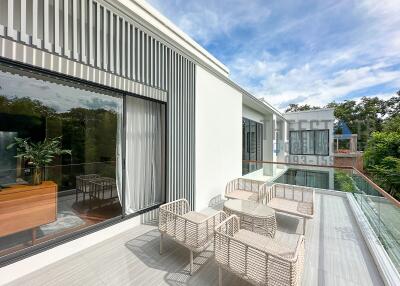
(312, 120)
(218, 136)
(252, 114)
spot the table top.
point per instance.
(250, 208)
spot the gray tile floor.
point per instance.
(335, 255)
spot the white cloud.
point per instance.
(301, 52)
(204, 20)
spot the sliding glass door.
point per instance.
(252, 145)
(63, 148)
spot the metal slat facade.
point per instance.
(93, 33)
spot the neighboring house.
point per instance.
(311, 136)
(143, 108)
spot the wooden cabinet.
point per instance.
(24, 207)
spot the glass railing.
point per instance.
(381, 209)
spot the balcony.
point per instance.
(337, 249)
(336, 254)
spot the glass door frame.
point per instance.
(46, 245)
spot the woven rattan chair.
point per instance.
(191, 229)
(259, 259)
(245, 189)
(290, 199)
(83, 185)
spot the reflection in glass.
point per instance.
(77, 190)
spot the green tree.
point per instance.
(392, 105)
(296, 107)
(382, 160)
(362, 118)
(392, 124)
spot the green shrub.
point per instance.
(343, 182)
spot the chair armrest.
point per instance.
(231, 186)
(266, 192)
(229, 226)
(179, 207)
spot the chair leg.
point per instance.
(304, 226)
(191, 262)
(219, 276)
(161, 243)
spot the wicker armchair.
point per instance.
(259, 259)
(245, 189)
(191, 229)
(290, 199)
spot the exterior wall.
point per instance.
(106, 42)
(252, 114)
(311, 120)
(218, 137)
(146, 13)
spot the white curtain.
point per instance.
(308, 142)
(145, 163)
(322, 142)
(295, 142)
(118, 151)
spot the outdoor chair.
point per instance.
(83, 185)
(245, 189)
(194, 230)
(291, 199)
(256, 258)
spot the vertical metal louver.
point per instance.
(92, 33)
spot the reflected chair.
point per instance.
(83, 185)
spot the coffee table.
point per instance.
(253, 216)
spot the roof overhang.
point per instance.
(260, 105)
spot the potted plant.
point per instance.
(38, 154)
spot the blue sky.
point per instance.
(290, 51)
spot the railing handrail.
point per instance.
(368, 180)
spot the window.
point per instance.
(82, 188)
(322, 142)
(295, 142)
(309, 142)
(252, 145)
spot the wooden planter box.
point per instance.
(24, 207)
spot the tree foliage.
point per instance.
(382, 160)
(293, 107)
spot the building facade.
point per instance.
(147, 115)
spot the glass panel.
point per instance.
(322, 142)
(382, 213)
(245, 154)
(307, 142)
(252, 141)
(61, 176)
(295, 142)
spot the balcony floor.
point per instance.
(335, 255)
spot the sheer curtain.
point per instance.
(118, 151)
(322, 142)
(308, 142)
(145, 163)
(295, 142)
